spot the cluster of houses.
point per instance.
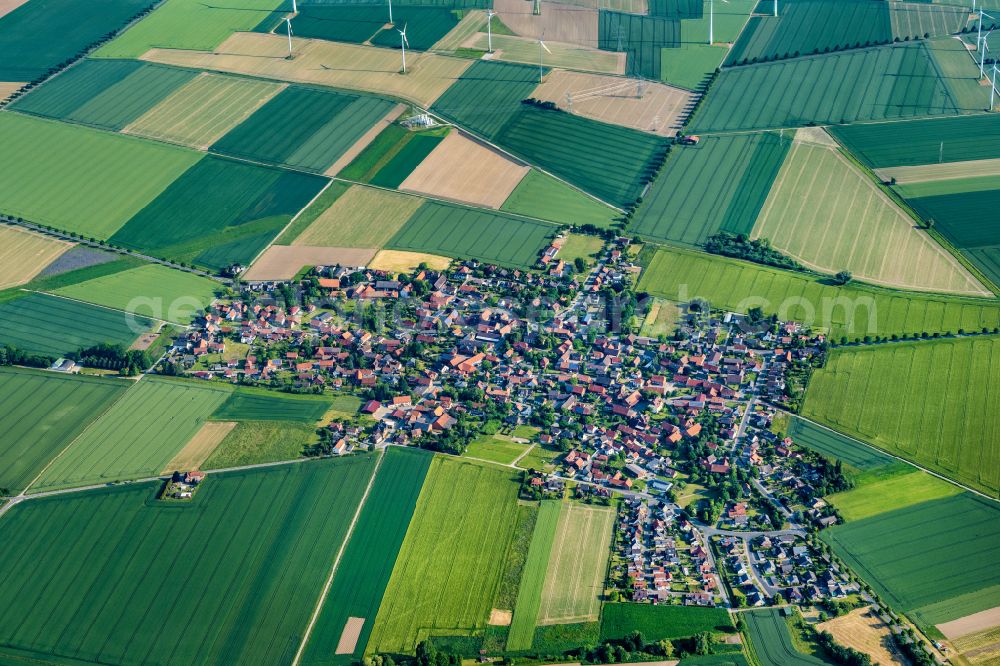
(182, 485)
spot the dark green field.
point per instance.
(116, 576)
(416, 148)
(424, 27)
(43, 34)
(719, 185)
(454, 231)
(661, 622)
(923, 141)
(608, 161)
(487, 96)
(642, 38)
(303, 127)
(42, 413)
(771, 642)
(339, 22)
(219, 211)
(43, 324)
(836, 446)
(968, 220)
(364, 571)
(247, 405)
(937, 558)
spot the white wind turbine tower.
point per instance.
(983, 48)
(295, 6)
(541, 45)
(776, 8)
(288, 24)
(390, 12)
(711, 20)
(489, 28)
(993, 85)
(403, 43)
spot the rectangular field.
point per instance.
(608, 161)
(451, 563)
(909, 556)
(949, 425)
(256, 442)
(852, 311)
(151, 290)
(245, 560)
(487, 95)
(496, 448)
(453, 231)
(414, 149)
(367, 564)
(51, 326)
(542, 196)
(900, 81)
(361, 217)
(24, 254)
(250, 405)
(574, 579)
(893, 493)
(661, 622)
(43, 412)
(138, 436)
(929, 141)
(719, 185)
(283, 262)
(202, 111)
(771, 642)
(200, 447)
(835, 445)
(51, 170)
(508, 48)
(529, 592)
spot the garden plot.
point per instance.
(646, 106)
(557, 22)
(463, 169)
(283, 262)
(24, 254)
(326, 63)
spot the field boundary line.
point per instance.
(899, 458)
(336, 565)
(107, 307)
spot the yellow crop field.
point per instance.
(24, 254)
(362, 217)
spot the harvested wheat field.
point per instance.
(332, 64)
(366, 139)
(641, 105)
(862, 630)
(361, 217)
(401, 261)
(905, 175)
(349, 638)
(971, 624)
(283, 262)
(7, 6)
(8, 88)
(201, 111)
(558, 22)
(981, 648)
(567, 56)
(463, 169)
(201, 446)
(24, 254)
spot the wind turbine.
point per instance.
(993, 85)
(489, 28)
(390, 12)
(711, 20)
(288, 24)
(295, 6)
(403, 43)
(983, 48)
(541, 45)
(776, 8)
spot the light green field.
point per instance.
(565, 56)
(830, 217)
(574, 580)
(449, 569)
(137, 437)
(930, 402)
(361, 217)
(933, 188)
(853, 311)
(960, 73)
(496, 448)
(923, 173)
(688, 65)
(540, 195)
(151, 290)
(540, 459)
(255, 442)
(189, 24)
(529, 593)
(661, 319)
(203, 110)
(51, 174)
(580, 246)
(893, 493)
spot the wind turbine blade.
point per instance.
(545, 47)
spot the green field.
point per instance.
(661, 622)
(151, 290)
(364, 570)
(44, 324)
(821, 204)
(219, 203)
(540, 195)
(376, 154)
(883, 395)
(307, 128)
(313, 212)
(899, 81)
(51, 170)
(529, 593)
(487, 95)
(608, 161)
(339, 22)
(137, 437)
(360, 217)
(574, 580)
(836, 446)
(812, 26)
(853, 311)
(770, 641)
(927, 141)
(688, 65)
(642, 38)
(425, 26)
(189, 24)
(718, 185)
(893, 493)
(495, 448)
(938, 555)
(449, 569)
(256, 442)
(45, 34)
(915, 19)
(116, 576)
(454, 231)
(409, 156)
(42, 413)
(257, 405)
